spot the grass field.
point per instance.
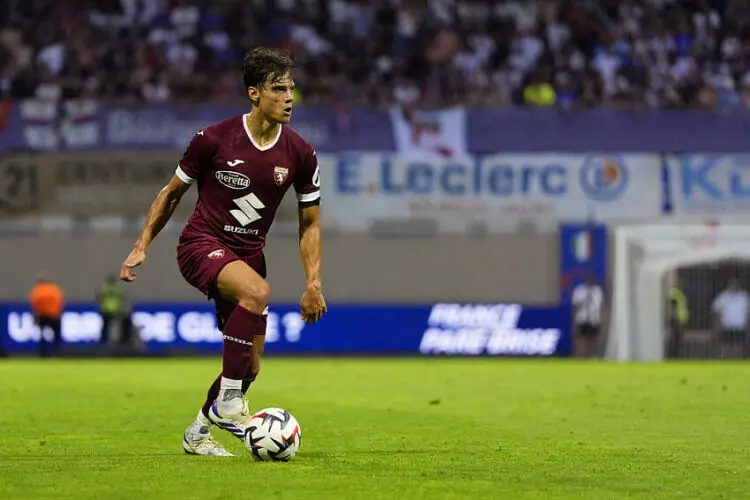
(422, 428)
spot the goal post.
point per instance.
(644, 256)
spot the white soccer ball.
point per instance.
(274, 435)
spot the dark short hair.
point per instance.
(263, 64)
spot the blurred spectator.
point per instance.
(629, 53)
(539, 92)
(47, 301)
(113, 309)
(732, 308)
(678, 314)
(588, 310)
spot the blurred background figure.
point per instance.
(47, 302)
(588, 310)
(113, 307)
(731, 308)
(677, 317)
(539, 92)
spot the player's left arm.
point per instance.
(310, 244)
(307, 186)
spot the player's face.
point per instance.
(276, 98)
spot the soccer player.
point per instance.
(243, 167)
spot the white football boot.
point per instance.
(236, 421)
(197, 440)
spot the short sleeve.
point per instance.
(307, 178)
(196, 158)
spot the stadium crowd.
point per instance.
(617, 53)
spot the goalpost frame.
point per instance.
(637, 325)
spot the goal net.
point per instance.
(699, 261)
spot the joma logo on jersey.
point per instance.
(280, 174)
(233, 180)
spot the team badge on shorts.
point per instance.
(280, 174)
(216, 254)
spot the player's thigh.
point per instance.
(241, 284)
(201, 260)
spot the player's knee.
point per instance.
(255, 296)
(262, 293)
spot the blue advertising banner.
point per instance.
(432, 329)
(597, 130)
(583, 255)
(90, 125)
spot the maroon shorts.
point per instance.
(201, 258)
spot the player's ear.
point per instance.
(254, 94)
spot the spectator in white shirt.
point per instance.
(731, 309)
(588, 309)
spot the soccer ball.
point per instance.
(274, 435)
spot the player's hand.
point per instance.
(135, 259)
(312, 305)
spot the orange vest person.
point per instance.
(47, 302)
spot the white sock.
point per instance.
(230, 383)
(201, 424)
(233, 405)
(201, 419)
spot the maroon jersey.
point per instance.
(240, 184)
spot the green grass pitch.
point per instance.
(383, 428)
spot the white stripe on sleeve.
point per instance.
(308, 197)
(183, 176)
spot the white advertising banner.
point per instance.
(499, 191)
(709, 185)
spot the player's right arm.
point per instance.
(159, 213)
(196, 157)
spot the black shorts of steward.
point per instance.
(588, 330)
